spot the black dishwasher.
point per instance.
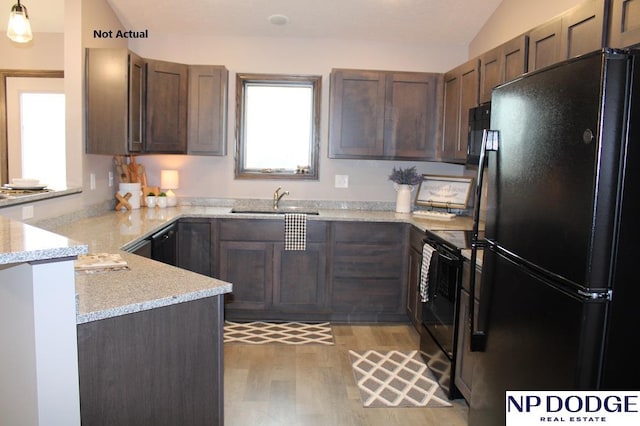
(164, 245)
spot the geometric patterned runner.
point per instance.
(290, 333)
(395, 379)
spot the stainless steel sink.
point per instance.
(280, 210)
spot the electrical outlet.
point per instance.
(342, 181)
(92, 181)
(110, 179)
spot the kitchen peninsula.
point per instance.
(156, 329)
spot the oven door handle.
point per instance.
(440, 253)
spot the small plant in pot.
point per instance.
(162, 200)
(151, 199)
(404, 181)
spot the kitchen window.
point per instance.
(278, 119)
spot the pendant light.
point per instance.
(19, 28)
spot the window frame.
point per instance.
(313, 81)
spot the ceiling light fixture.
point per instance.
(278, 19)
(19, 28)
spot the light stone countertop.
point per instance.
(149, 284)
(21, 243)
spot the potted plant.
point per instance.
(404, 181)
(151, 200)
(162, 200)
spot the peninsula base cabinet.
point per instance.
(163, 366)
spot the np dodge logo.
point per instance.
(572, 407)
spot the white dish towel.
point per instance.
(295, 231)
(427, 254)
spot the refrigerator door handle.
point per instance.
(490, 140)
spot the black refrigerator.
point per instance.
(560, 289)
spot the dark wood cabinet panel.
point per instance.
(369, 270)
(490, 72)
(249, 266)
(166, 120)
(412, 115)
(115, 109)
(515, 56)
(195, 246)
(414, 302)
(582, 29)
(461, 92)
(384, 114)
(356, 123)
(624, 23)
(162, 366)
(207, 112)
(545, 44)
(300, 278)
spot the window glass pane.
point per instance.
(278, 119)
(278, 124)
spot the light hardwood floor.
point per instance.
(288, 385)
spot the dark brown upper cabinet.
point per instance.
(167, 94)
(501, 64)
(624, 23)
(545, 44)
(384, 114)
(115, 93)
(207, 114)
(461, 92)
(582, 29)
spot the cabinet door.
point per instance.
(414, 303)
(207, 130)
(195, 252)
(300, 278)
(461, 92)
(464, 356)
(515, 55)
(137, 94)
(491, 72)
(582, 29)
(356, 128)
(107, 101)
(249, 266)
(166, 107)
(545, 44)
(412, 115)
(624, 25)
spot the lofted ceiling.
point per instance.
(411, 21)
(407, 21)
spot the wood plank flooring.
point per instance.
(288, 385)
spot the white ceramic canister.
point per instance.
(135, 190)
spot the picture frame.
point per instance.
(450, 192)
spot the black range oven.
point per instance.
(438, 334)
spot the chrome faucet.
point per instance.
(277, 196)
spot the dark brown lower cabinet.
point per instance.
(158, 367)
(269, 282)
(464, 356)
(368, 279)
(414, 302)
(196, 238)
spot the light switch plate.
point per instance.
(342, 181)
(27, 212)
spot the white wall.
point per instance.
(514, 17)
(214, 176)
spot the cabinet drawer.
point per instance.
(364, 260)
(366, 295)
(266, 230)
(379, 233)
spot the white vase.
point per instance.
(403, 198)
(161, 202)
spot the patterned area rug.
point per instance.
(395, 379)
(290, 333)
